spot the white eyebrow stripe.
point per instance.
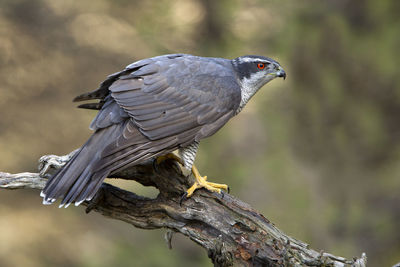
(252, 59)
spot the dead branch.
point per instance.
(233, 233)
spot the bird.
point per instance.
(154, 107)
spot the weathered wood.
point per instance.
(233, 233)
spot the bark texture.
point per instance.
(233, 233)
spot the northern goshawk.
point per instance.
(154, 107)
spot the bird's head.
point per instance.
(255, 71)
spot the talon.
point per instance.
(201, 182)
(183, 197)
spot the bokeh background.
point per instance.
(318, 154)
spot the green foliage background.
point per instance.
(318, 154)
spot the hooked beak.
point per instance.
(281, 73)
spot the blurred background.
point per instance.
(317, 154)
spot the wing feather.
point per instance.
(151, 108)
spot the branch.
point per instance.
(233, 233)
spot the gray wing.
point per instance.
(157, 105)
(183, 99)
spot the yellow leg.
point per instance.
(201, 182)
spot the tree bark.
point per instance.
(233, 233)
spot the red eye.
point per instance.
(261, 66)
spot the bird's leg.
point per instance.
(201, 182)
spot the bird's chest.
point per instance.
(247, 91)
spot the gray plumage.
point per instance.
(151, 108)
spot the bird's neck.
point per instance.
(249, 87)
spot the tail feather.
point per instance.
(105, 152)
(62, 181)
(74, 178)
(49, 191)
(91, 189)
(76, 189)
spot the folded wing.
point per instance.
(151, 108)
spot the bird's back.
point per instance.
(152, 107)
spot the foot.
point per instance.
(201, 182)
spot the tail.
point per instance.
(77, 181)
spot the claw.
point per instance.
(183, 197)
(201, 182)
